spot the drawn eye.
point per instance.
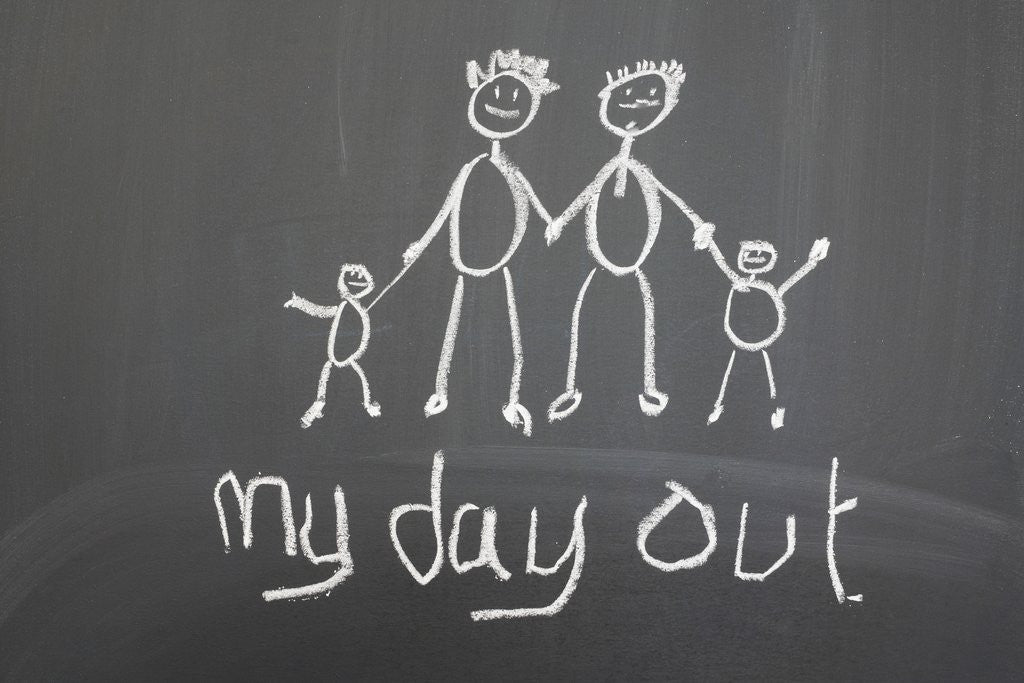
(497, 91)
(515, 94)
(628, 91)
(653, 90)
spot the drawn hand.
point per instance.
(412, 253)
(819, 250)
(554, 230)
(291, 302)
(702, 236)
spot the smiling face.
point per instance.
(355, 280)
(633, 105)
(502, 106)
(756, 257)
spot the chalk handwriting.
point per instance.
(830, 545)
(681, 493)
(488, 553)
(342, 557)
(761, 576)
(707, 515)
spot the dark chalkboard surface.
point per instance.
(170, 173)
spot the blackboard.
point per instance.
(170, 173)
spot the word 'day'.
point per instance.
(488, 554)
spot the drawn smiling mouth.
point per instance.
(640, 104)
(502, 113)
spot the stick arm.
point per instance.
(310, 308)
(723, 265)
(454, 195)
(818, 253)
(534, 199)
(697, 221)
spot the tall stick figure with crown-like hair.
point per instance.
(632, 103)
(504, 101)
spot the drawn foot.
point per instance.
(717, 413)
(777, 417)
(437, 403)
(564, 405)
(315, 411)
(517, 415)
(373, 409)
(652, 402)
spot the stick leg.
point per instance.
(780, 413)
(717, 412)
(317, 409)
(515, 413)
(372, 407)
(652, 401)
(564, 405)
(439, 400)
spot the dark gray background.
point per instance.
(170, 172)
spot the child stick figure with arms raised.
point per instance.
(755, 258)
(631, 105)
(504, 101)
(354, 282)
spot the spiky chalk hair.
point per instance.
(530, 69)
(671, 71)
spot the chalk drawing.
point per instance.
(354, 282)
(754, 259)
(632, 103)
(506, 97)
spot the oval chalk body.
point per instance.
(623, 224)
(754, 318)
(486, 226)
(351, 328)
(597, 226)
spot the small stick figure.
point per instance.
(755, 257)
(354, 282)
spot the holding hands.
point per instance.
(703, 235)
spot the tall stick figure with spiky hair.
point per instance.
(505, 100)
(631, 104)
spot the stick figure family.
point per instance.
(505, 99)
